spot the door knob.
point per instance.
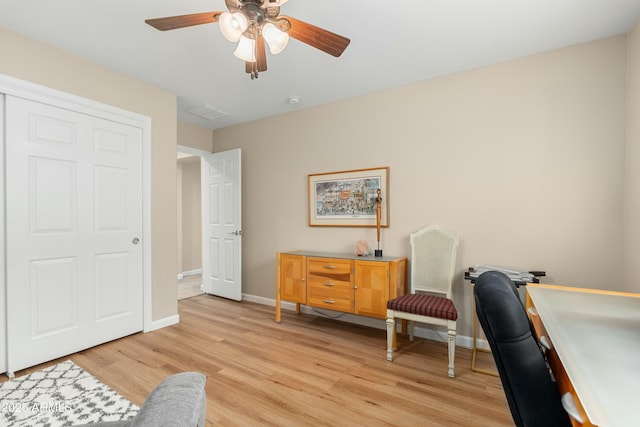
(135, 241)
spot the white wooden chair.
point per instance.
(433, 260)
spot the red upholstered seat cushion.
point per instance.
(425, 305)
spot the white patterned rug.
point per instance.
(61, 395)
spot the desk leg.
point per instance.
(475, 346)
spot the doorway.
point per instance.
(189, 212)
(220, 242)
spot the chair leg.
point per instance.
(452, 351)
(391, 332)
(410, 330)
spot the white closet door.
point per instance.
(74, 231)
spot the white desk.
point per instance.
(595, 335)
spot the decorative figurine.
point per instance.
(362, 248)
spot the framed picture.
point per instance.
(349, 198)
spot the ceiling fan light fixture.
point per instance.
(232, 25)
(254, 24)
(276, 39)
(276, 3)
(246, 50)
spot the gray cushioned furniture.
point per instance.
(179, 400)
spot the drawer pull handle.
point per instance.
(329, 284)
(532, 311)
(329, 301)
(545, 342)
(570, 406)
(329, 267)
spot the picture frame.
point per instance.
(348, 198)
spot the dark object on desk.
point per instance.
(538, 273)
(472, 275)
(532, 395)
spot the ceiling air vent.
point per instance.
(206, 111)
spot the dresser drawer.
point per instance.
(330, 288)
(336, 269)
(338, 304)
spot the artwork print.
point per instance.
(348, 198)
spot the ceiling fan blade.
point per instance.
(326, 41)
(181, 21)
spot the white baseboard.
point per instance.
(189, 273)
(163, 323)
(261, 300)
(421, 331)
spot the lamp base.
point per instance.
(377, 252)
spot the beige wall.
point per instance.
(632, 231)
(193, 136)
(33, 61)
(523, 160)
(190, 213)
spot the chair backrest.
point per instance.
(532, 395)
(433, 260)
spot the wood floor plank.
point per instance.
(306, 371)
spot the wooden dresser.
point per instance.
(341, 282)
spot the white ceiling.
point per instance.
(392, 43)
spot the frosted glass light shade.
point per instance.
(271, 3)
(232, 25)
(246, 50)
(276, 39)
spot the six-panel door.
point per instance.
(74, 231)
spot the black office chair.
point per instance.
(531, 393)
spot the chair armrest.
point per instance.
(179, 400)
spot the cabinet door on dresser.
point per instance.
(372, 288)
(293, 276)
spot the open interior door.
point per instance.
(222, 224)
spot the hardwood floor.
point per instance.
(190, 286)
(306, 371)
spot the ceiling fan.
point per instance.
(251, 23)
